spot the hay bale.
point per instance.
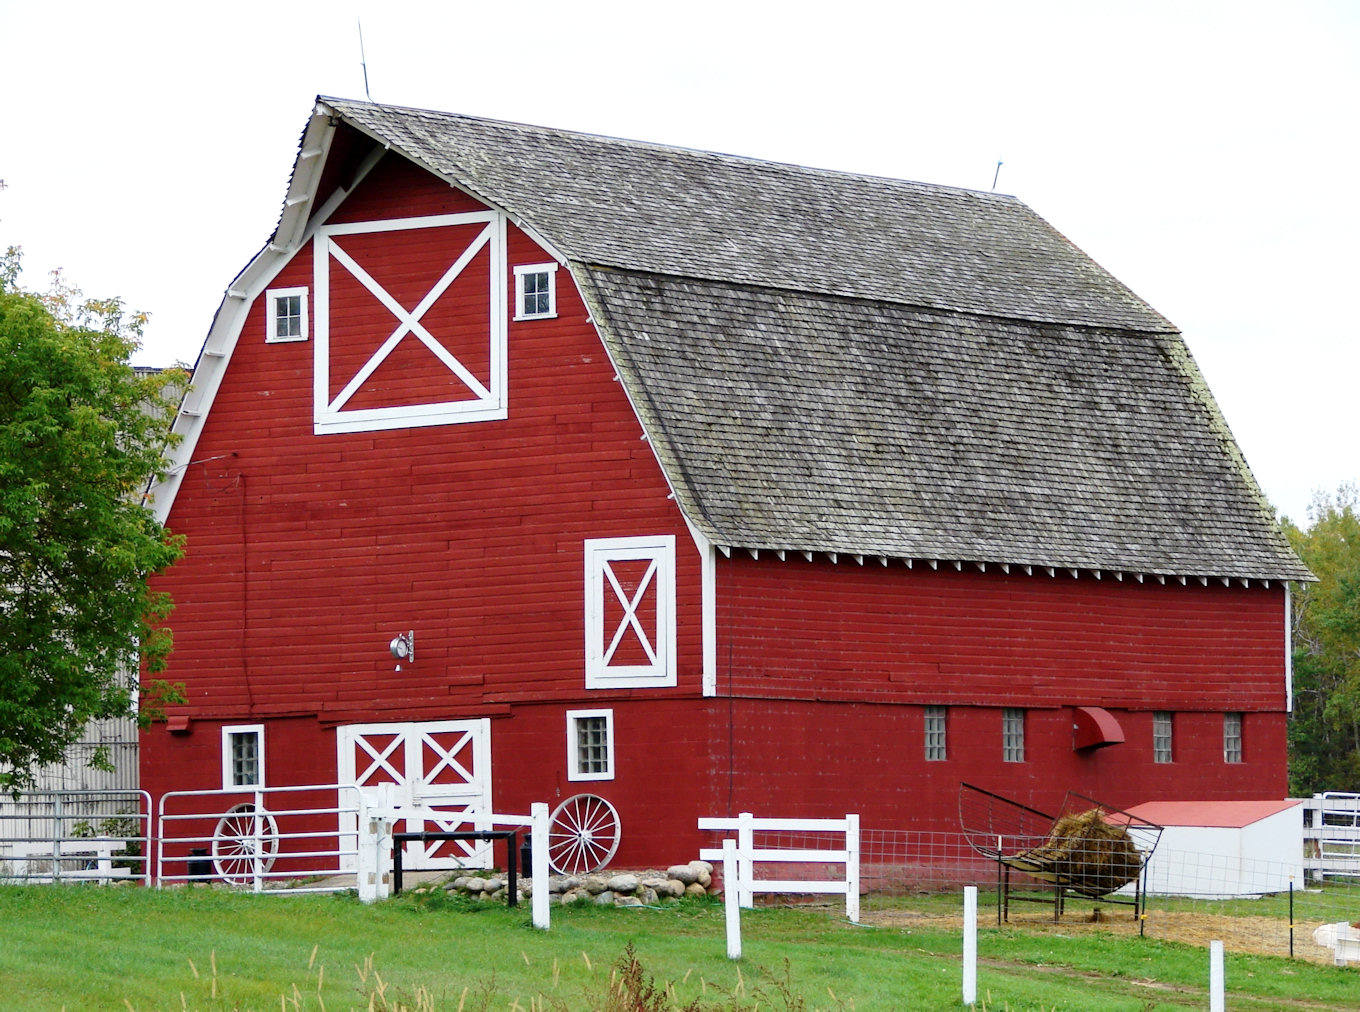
(1087, 853)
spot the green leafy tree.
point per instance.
(81, 434)
(1324, 730)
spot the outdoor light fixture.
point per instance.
(403, 647)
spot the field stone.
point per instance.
(459, 883)
(494, 885)
(695, 889)
(475, 885)
(647, 895)
(604, 899)
(574, 896)
(564, 883)
(623, 883)
(594, 884)
(626, 901)
(683, 872)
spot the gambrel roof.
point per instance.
(838, 363)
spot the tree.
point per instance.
(81, 435)
(1324, 730)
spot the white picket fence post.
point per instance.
(970, 896)
(1215, 976)
(746, 842)
(731, 901)
(538, 839)
(852, 867)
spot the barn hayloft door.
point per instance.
(409, 322)
(440, 770)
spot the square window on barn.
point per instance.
(935, 733)
(243, 756)
(590, 744)
(630, 612)
(1232, 737)
(1013, 735)
(1161, 736)
(285, 315)
(535, 291)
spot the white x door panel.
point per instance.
(438, 771)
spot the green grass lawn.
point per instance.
(129, 948)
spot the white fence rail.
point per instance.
(1331, 835)
(75, 836)
(748, 855)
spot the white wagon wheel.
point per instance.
(582, 834)
(244, 844)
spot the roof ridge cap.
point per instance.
(775, 163)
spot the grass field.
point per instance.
(208, 949)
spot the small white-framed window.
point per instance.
(285, 315)
(590, 744)
(242, 756)
(935, 728)
(535, 291)
(630, 612)
(1161, 736)
(1232, 737)
(1013, 735)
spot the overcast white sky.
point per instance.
(1205, 153)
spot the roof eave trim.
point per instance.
(1117, 575)
(229, 320)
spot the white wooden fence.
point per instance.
(748, 855)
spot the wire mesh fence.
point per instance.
(1255, 905)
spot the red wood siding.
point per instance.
(307, 553)
(848, 632)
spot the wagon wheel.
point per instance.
(582, 835)
(244, 844)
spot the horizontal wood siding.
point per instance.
(306, 554)
(849, 632)
(870, 758)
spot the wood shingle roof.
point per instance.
(831, 362)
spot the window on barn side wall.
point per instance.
(1232, 737)
(285, 315)
(535, 291)
(630, 612)
(243, 756)
(1161, 736)
(935, 733)
(590, 744)
(1013, 735)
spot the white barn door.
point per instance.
(438, 770)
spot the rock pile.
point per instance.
(620, 889)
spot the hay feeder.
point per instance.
(1090, 849)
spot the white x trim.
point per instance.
(488, 399)
(604, 637)
(630, 606)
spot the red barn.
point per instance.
(523, 464)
